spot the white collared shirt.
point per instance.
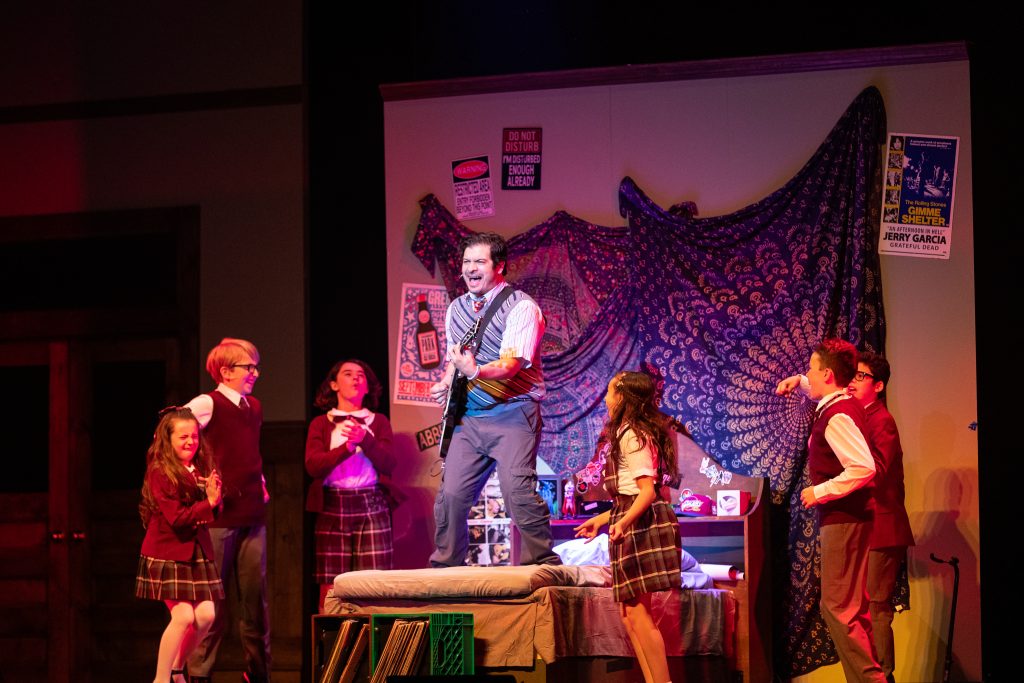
(356, 471)
(202, 405)
(634, 461)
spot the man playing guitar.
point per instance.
(500, 423)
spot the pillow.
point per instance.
(579, 552)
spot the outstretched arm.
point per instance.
(791, 384)
(589, 528)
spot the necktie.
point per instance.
(819, 411)
(478, 305)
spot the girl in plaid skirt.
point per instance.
(643, 533)
(350, 457)
(180, 496)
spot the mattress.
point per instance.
(466, 582)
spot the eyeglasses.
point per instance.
(251, 368)
(859, 376)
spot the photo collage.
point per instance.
(490, 529)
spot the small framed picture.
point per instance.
(550, 490)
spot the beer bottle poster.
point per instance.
(420, 360)
(919, 182)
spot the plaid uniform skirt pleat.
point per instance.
(352, 532)
(195, 580)
(648, 558)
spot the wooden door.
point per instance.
(98, 327)
(44, 554)
(79, 418)
(129, 382)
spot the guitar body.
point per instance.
(456, 401)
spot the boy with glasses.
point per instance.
(231, 419)
(891, 534)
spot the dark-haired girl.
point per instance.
(349, 455)
(643, 533)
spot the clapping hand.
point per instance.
(214, 487)
(353, 432)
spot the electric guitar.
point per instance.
(456, 400)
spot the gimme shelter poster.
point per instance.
(917, 196)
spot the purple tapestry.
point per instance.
(720, 309)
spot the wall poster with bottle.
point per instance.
(419, 361)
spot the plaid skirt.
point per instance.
(648, 558)
(195, 580)
(352, 532)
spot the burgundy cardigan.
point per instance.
(321, 458)
(892, 526)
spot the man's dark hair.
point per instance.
(496, 243)
(840, 357)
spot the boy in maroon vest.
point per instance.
(231, 419)
(841, 468)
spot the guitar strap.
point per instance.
(499, 299)
(457, 391)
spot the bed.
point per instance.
(549, 618)
(561, 622)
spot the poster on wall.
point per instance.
(520, 158)
(490, 528)
(419, 361)
(471, 185)
(917, 197)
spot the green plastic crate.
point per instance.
(451, 643)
